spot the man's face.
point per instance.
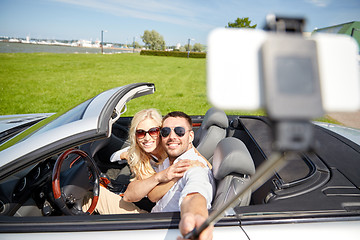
(173, 144)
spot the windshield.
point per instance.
(50, 123)
(71, 116)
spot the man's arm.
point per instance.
(193, 213)
(195, 200)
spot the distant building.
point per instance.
(85, 43)
(350, 28)
(14, 40)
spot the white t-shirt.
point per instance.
(195, 180)
(115, 157)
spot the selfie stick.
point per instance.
(293, 131)
(265, 171)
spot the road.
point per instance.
(347, 119)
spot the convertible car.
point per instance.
(50, 162)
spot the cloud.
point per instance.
(178, 13)
(319, 3)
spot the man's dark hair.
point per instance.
(179, 114)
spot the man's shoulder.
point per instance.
(196, 156)
(192, 155)
(197, 170)
(200, 176)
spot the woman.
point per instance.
(144, 154)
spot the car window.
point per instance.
(68, 117)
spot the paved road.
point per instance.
(347, 119)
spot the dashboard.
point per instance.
(25, 193)
(30, 193)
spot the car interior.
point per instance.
(235, 145)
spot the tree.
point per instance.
(137, 45)
(153, 40)
(241, 23)
(198, 47)
(187, 47)
(182, 49)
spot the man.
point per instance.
(192, 194)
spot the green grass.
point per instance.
(45, 82)
(48, 82)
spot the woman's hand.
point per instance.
(124, 155)
(175, 171)
(195, 163)
(207, 162)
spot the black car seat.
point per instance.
(232, 168)
(212, 130)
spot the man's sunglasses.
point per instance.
(180, 131)
(153, 132)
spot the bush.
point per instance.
(172, 54)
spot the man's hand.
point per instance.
(189, 221)
(194, 214)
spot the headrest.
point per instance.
(215, 116)
(232, 156)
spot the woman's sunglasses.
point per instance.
(180, 131)
(153, 132)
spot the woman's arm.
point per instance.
(139, 188)
(162, 188)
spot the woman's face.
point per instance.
(148, 143)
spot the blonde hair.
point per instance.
(139, 160)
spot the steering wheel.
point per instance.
(72, 193)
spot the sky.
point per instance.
(176, 20)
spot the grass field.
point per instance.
(45, 82)
(48, 82)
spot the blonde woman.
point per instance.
(145, 154)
